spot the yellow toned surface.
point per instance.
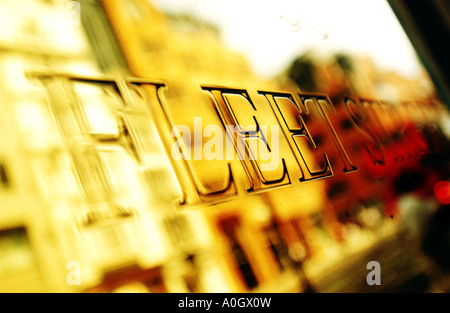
(206, 146)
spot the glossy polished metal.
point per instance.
(154, 146)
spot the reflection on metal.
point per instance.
(93, 198)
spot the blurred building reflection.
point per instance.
(92, 199)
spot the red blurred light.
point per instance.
(442, 192)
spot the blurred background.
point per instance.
(91, 199)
